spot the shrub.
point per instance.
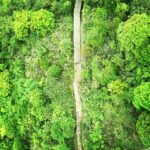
(62, 124)
(143, 128)
(61, 6)
(21, 24)
(133, 36)
(138, 7)
(97, 28)
(5, 33)
(142, 96)
(5, 6)
(4, 83)
(41, 22)
(117, 87)
(42, 4)
(55, 70)
(121, 9)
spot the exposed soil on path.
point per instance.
(77, 70)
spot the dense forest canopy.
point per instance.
(36, 75)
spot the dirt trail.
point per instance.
(77, 70)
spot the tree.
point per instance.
(4, 83)
(37, 23)
(133, 36)
(143, 128)
(142, 96)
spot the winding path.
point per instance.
(77, 70)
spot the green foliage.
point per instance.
(37, 109)
(32, 22)
(55, 70)
(4, 83)
(59, 7)
(143, 128)
(92, 137)
(42, 4)
(102, 72)
(117, 87)
(21, 24)
(17, 144)
(138, 7)
(62, 124)
(118, 125)
(5, 6)
(36, 71)
(5, 33)
(62, 121)
(32, 117)
(133, 36)
(108, 4)
(41, 22)
(121, 9)
(142, 96)
(97, 28)
(56, 85)
(62, 6)
(60, 147)
(110, 75)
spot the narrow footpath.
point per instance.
(77, 70)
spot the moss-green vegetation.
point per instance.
(143, 128)
(36, 75)
(36, 69)
(32, 22)
(115, 75)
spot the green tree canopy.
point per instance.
(142, 96)
(32, 22)
(143, 128)
(133, 36)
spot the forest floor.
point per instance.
(77, 70)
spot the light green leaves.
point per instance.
(41, 22)
(143, 128)
(97, 28)
(32, 22)
(62, 124)
(142, 96)
(117, 87)
(4, 83)
(133, 36)
(21, 24)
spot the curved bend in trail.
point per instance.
(77, 70)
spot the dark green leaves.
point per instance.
(32, 22)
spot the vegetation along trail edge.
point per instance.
(77, 70)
